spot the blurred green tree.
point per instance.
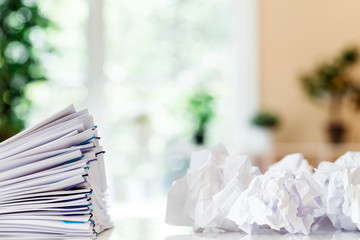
(22, 41)
(201, 109)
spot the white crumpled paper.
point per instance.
(340, 183)
(204, 196)
(221, 192)
(280, 200)
(294, 163)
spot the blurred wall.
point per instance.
(294, 36)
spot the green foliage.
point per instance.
(200, 107)
(265, 119)
(21, 28)
(330, 80)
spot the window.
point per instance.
(67, 65)
(156, 53)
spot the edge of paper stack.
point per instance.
(221, 193)
(52, 179)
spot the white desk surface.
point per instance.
(151, 229)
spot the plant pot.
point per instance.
(336, 132)
(199, 138)
(262, 139)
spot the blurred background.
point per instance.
(164, 78)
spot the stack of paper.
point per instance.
(52, 179)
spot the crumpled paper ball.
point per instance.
(294, 163)
(340, 182)
(280, 200)
(204, 196)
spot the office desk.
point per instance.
(151, 229)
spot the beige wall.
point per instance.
(294, 36)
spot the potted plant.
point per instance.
(331, 83)
(201, 110)
(264, 123)
(265, 119)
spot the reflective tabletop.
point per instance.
(155, 228)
